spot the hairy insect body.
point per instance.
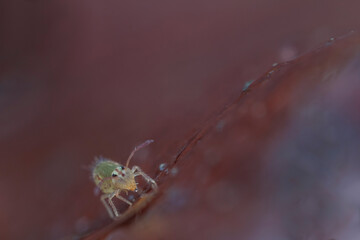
(112, 178)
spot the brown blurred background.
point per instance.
(80, 79)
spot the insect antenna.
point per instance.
(144, 144)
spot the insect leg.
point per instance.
(103, 197)
(117, 194)
(138, 172)
(137, 148)
(113, 205)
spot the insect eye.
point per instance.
(122, 168)
(114, 175)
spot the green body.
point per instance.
(102, 176)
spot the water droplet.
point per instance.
(162, 166)
(247, 85)
(330, 41)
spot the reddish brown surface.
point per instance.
(85, 78)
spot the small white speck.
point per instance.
(247, 85)
(275, 64)
(332, 39)
(162, 166)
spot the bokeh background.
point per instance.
(80, 79)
